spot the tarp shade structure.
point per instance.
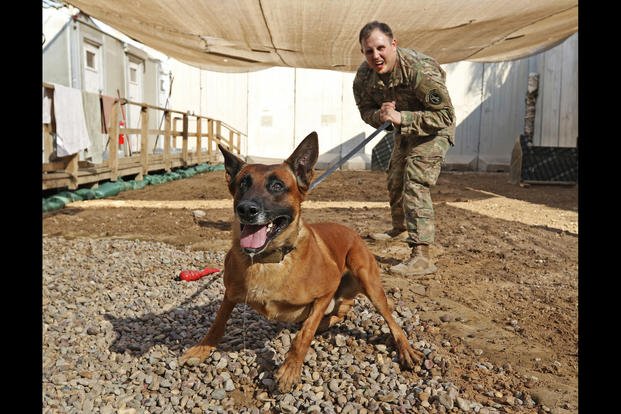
(246, 35)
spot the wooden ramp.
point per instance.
(187, 140)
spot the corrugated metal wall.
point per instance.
(556, 123)
(278, 107)
(491, 119)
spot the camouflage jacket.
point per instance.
(417, 84)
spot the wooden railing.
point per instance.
(205, 133)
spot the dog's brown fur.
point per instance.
(306, 273)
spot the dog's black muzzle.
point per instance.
(248, 211)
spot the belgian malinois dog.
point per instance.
(288, 270)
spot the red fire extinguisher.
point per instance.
(121, 136)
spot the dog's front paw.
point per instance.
(288, 374)
(408, 356)
(196, 354)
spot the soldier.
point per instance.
(408, 89)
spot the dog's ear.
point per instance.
(232, 165)
(303, 159)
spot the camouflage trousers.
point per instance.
(414, 168)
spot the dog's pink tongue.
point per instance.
(253, 237)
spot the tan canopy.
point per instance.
(245, 35)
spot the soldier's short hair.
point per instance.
(369, 27)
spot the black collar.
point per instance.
(273, 256)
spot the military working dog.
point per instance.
(288, 270)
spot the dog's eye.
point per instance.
(277, 187)
(245, 183)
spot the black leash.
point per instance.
(348, 156)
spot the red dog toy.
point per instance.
(192, 275)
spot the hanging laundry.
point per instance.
(107, 105)
(92, 113)
(71, 132)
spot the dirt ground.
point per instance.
(503, 305)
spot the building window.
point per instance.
(133, 75)
(90, 60)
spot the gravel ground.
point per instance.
(116, 320)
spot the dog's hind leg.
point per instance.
(204, 348)
(343, 299)
(364, 268)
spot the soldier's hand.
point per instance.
(389, 113)
(389, 105)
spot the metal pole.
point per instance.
(165, 107)
(348, 156)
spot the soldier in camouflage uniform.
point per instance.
(407, 88)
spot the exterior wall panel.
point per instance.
(55, 62)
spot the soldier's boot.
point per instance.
(418, 264)
(392, 234)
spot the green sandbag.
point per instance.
(123, 185)
(217, 167)
(108, 189)
(188, 172)
(154, 179)
(53, 203)
(62, 199)
(70, 195)
(201, 168)
(137, 185)
(85, 193)
(173, 175)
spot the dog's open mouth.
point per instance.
(254, 237)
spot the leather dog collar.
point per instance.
(274, 256)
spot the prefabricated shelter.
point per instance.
(79, 55)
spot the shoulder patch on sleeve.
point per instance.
(432, 95)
